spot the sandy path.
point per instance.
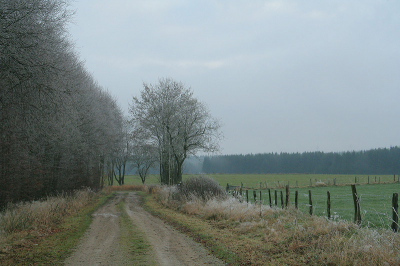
(100, 245)
(170, 246)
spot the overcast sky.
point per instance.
(282, 76)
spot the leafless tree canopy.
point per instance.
(58, 127)
(176, 124)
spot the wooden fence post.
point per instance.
(282, 199)
(269, 195)
(287, 196)
(296, 198)
(276, 199)
(328, 203)
(260, 198)
(255, 196)
(247, 196)
(357, 213)
(395, 216)
(227, 187)
(310, 201)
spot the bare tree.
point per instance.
(143, 155)
(124, 152)
(58, 127)
(176, 123)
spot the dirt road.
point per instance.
(101, 244)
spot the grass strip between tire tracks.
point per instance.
(210, 237)
(134, 240)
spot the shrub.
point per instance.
(202, 187)
(154, 189)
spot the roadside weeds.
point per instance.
(50, 244)
(248, 234)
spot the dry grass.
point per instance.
(44, 214)
(143, 188)
(44, 232)
(320, 184)
(38, 219)
(267, 235)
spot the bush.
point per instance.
(202, 187)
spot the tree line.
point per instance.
(374, 161)
(59, 129)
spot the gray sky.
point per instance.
(288, 76)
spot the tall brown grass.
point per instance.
(143, 188)
(39, 215)
(310, 238)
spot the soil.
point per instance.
(101, 246)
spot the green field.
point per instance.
(375, 197)
(375, 202)
(296, 180)
(135, 180)
(278, 180)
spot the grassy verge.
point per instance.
(51, 245)
(242, 234)
(134, 241)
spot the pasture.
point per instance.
(375, 197)
(253, 181)
(374, 192)
(297, 180)
(375, 202)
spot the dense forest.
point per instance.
(376, 161)
(61, 131)
(58, 128)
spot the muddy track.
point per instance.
(101, 243)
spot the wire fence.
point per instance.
(375, 201)
(299, 181)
